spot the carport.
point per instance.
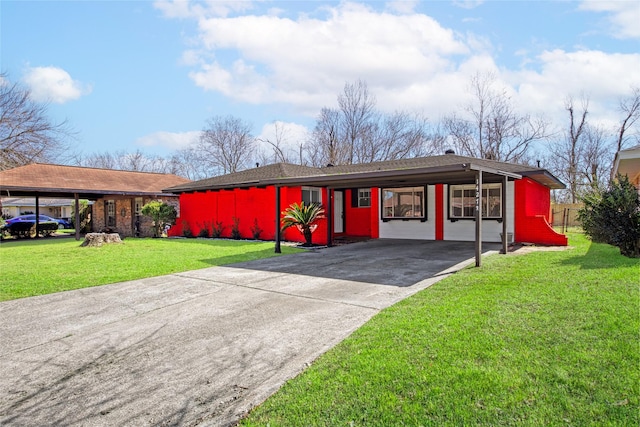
(72, 182)
(446, 174)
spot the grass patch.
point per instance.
(547, 338)
(37, 267)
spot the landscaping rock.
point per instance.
(98, 239)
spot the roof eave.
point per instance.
(546, 178)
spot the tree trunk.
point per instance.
(306, 232)
(98, 239)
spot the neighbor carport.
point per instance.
(73, 182)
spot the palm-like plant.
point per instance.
(303, 217)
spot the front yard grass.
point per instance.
(547, 338)
(37, 267)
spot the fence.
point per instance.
(565, 215)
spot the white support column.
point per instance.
(478, 218)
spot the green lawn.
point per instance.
(43, 266)
(543, 339)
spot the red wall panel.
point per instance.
(439, 206)
(203, 209)
(532, 207)
(357, 220)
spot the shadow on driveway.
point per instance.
(392, 262)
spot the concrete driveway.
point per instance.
(201, 347)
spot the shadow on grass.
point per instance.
(248, 255)
(601, 256)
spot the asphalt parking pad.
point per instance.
(391, 262)
(195, 348)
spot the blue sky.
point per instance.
(147, 75)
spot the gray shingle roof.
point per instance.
(286, 174)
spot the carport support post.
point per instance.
(37, 215)
(329, 216)
(505, 241)
(478, 218)
(76, 197)
(278, 250)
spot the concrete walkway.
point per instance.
(201, 347)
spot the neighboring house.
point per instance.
(56, 208)
(627, 162)
(430, 198)
(118, 196)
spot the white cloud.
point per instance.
(54, 84)
(306, 61)
(408, 59)
(191, 9)
(603, 78)
(402, 6)
(171, 140)
(468, 4)
(623, 16)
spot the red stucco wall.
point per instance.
(533, 214)
(250, 206)
(358, 220)
(439, 206)
(202, 209)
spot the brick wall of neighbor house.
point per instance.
(201, 210)
(125, 223)
(533, 215)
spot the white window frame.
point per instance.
(139, 202)
(422, 215)
(111, 213)
(312, 191)
(468, 201)
(364, 197)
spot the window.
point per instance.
(462, 201)
(364, 197)
(403, 203)
(111, 213)
(138, 206)
(311, 195)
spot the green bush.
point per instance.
(256, 230)
(613, 216)
(235, 229)
(162, 214)
(216, 229)
(186, 229)
(204, 230)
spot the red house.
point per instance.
(431, 198)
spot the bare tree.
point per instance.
(397, 136)
(596, 156)
(137, 161)
(567, 154)
(358, 133)
(493, 129)
(630, 107)
(327, 145)
(26, 134)
(280, 148)
(188, 163)
(226, 144)
(358, 114)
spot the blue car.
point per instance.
(62, 223)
